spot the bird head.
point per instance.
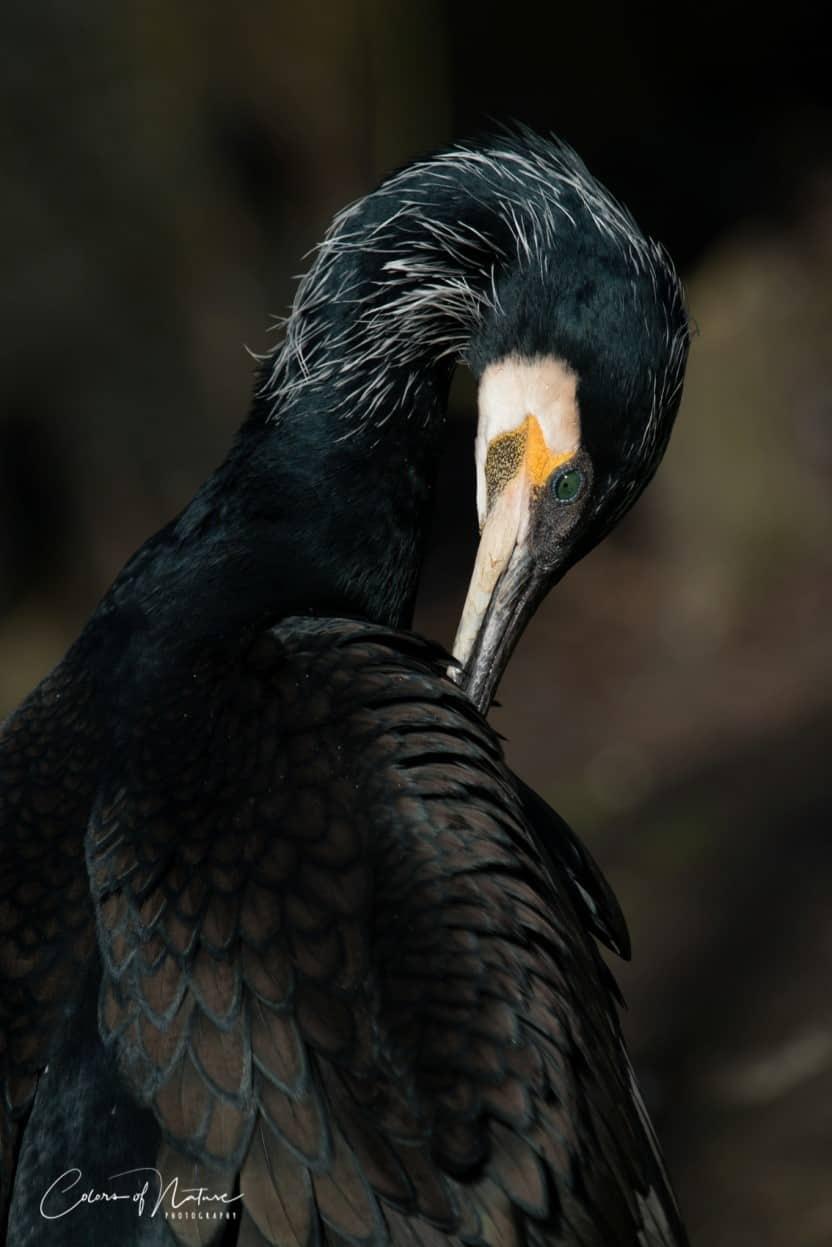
(580, 367)
(506, 255)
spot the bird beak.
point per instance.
(506, 587)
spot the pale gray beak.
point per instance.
(506, 588)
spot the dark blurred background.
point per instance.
(163, 167)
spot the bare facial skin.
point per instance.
(542, 390)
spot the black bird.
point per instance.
(347, 983)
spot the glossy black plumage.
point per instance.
(344, 961)
(371, 971)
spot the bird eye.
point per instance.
(568, 485)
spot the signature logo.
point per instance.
(66, 1195)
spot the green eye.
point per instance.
(566, 486)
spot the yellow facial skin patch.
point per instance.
(523, 447)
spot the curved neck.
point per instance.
(399, 286)
(324, 500)
(338, 516)
(336, 464)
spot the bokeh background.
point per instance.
(163, 167)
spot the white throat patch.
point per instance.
(513, 389)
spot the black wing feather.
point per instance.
(345, 948)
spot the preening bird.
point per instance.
(278, 926)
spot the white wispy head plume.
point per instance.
(406, 277)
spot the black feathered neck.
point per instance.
(323, 502)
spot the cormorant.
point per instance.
(344, 961)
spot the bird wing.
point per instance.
(337, 969)
(48, 767)
(568, 859)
